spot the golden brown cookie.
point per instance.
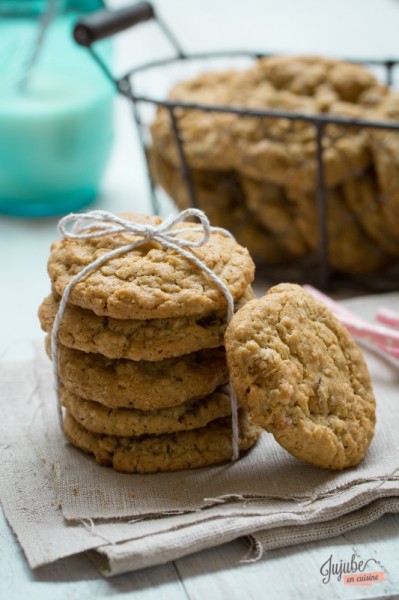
(150, 281)
(206, 135)
(118, 383)
(129, 422)
(385, 150)
(278, 150)
(273, 209)
(202, 447)
(364, 200)
(302, 377)
(350, 250)
(307, 75)
(220, 195)
(149, 340)
(285, 152)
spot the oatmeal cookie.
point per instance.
(273, 209)
(150, 281)
(202, 447)
(308, 75)
(363, 198)
(149, 340)
(206, 135)
(284, 152)
(350, 250)
(302, 377)
(118, 383)
(221, 196)
(129, 422)
(385, 149)
(275, 149)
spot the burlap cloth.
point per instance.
(59, 502)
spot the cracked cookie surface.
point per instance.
(202, 447)
(150, 281)
(302, 377)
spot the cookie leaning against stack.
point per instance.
(139, 348)
(302, 377)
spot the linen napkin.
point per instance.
(59, 502)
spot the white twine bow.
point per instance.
(99, 223)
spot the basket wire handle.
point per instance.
(105, 23)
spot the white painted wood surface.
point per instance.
(214, 574)
(343, 27)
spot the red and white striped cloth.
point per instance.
(383, 336)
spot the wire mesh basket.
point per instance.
(335, 233)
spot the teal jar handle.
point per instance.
(105, 23)
(102, 24)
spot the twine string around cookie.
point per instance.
(99, 223)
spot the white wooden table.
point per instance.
(351, 28)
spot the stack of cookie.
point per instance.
(258, 176)
(140, 356)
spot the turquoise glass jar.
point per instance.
(56, 118)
